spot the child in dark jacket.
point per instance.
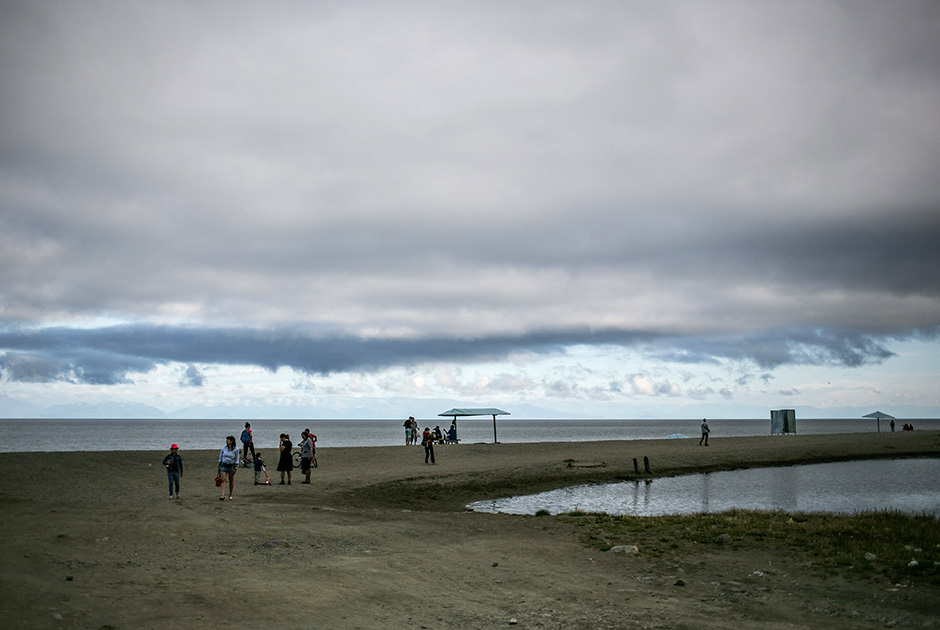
(261, 476)
(174, 469)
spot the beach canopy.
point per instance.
(487, 411)
(877, 415)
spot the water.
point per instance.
(906, 485)
(44, 435)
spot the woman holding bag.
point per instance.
(228, 464)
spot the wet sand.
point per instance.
(378, 540)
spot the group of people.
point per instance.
(428, 437)
(412, 431)
(231, 455)
(285, 462)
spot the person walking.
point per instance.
(705, 432)
(427, 440)
(248, 439)
(306, 455)
(174, 469)
(228, 466)
(285, 464)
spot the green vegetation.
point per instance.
(883, 543)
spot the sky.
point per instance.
(591, 209)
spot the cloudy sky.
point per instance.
(625, 209)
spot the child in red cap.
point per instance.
(174, 469)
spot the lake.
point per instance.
(107, 434)
(906, 485)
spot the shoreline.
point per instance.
(91, 540)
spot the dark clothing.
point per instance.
(427, 441)
(285, 463)
(174, 468)
(173, 463)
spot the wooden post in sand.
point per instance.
(636, 465)
(646, 463)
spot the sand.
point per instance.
(381, 540)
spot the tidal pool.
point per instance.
(906, 485)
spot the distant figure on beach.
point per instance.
(174, 469)
(438, 436)
(892, 425)
(248, 440)
(705, 431)
(306, 455)
(408, 434)
(427, 440)
(285, 464)
(452, 432)
(415, 431)
(228, 465)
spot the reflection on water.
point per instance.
(906, 485)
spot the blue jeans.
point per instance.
(173, 478)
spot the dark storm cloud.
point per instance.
(730, 181)
(111, 355)
(192, 377)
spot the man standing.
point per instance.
(705, 431)
(306, 455)
(248, 439)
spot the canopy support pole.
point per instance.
(494, 429)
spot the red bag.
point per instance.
(218, 481)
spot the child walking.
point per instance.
(174, 469)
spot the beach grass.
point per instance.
(885, 544)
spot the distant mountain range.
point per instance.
(344, 408)
(399, 407)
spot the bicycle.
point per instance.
(296, 459)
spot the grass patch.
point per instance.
(883, 543)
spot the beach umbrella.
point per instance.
(877, 415)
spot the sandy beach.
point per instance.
(381, 540)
